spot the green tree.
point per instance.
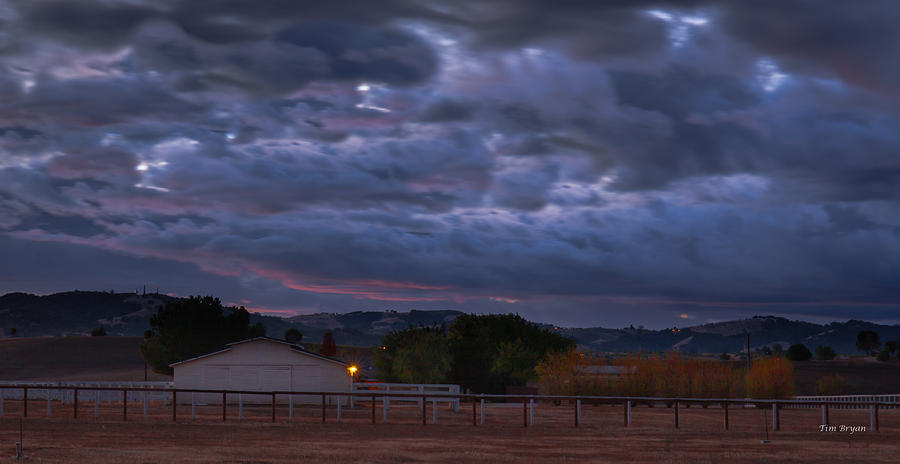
(799, 352)
(481, 347)
(825, 353)
(868, 341)
(191, 327)
(293, 335)
(414, 355)
(98, 331)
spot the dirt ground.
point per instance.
(601, 436)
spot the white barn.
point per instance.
(261, 364)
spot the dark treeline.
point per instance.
(483, 353)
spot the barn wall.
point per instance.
(260, 366)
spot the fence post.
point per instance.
(124, 405)
(323, 408)
(174, 402)
(531, 412)
(775, 425)
(193, 412)
(2, 393)
(873, 417)
(577, 412)
(224, 407)
(386, 402)
(725, 407)
(340, 400)
(240, 406)
(423, 409)
(434, 411)
(49, 411)
(373, 410)
(25, 401)
(677, 421)
(273, 405)
(145, 404)
(824, 413)
(96, 404)
(482, 409)
(627, 413)
(291, 408)
(474, 413)
(74, 404)
(524, 413)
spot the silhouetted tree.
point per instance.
(868, 341)
(825, 353)
(98, 331)
(799, 352)
(883, 355)
(491, 352)
(293, 335)
(187, 328)
(892, 346)
(329, 348)
(414, 355)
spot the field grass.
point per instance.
(73, 358)
(864, 375)
(554, 439)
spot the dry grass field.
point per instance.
(600, 438)
(73, 358)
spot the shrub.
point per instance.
(825, 353)
(771, 378)
(799, 352)
(98, 331)
(883, 355)
(831, 385)
(725, 357)
(293, 335)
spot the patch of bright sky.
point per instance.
(769, 75)
(370, 93)
(679, 25)
(152, 187)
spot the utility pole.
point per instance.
(747, 333)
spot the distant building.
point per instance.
(261, 364)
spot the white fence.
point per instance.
(850, 401)
(433, 391)
(67, 396)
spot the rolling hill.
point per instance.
(128, 314)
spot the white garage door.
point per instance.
(275, 378)
(245, 378)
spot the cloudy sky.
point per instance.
(583, 163)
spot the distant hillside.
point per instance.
(729, 337)
(76, 313)
(128, 314)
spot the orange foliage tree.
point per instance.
(771, 378)
(566, 373)
(677, 376)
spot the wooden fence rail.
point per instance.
(134, 394)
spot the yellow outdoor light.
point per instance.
(352, 370)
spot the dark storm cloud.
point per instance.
(847, 40)
(574, 160)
